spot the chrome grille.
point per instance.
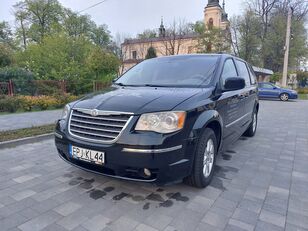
(106, 127)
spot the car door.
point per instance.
(230, 104)
(268, 90)
(248, 93)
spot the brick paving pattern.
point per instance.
(261, 183)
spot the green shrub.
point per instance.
(65, 99)
(21, 78)
(276, 77)
(28, 103)
(302, 91)
(45, 102)
(302, 78)
(9, 104)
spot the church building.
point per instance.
(135, 50)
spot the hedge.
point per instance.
(29, 103)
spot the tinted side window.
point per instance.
(229, 71)
(243, 71)
(267, 86)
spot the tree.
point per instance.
(147, 34)
(151, 53)
(212, 39)
(275, 42)
(42, 17)
(58, 57)
(300, 8)
(302, 78)
(263, 9)
(273, 17)
(175, 36)
(6, 55)
(246, 42)
(22, 26)
(76, 25)
(102, 63)
(100, 35)
(6, 35)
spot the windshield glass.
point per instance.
(176, 71)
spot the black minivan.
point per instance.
(163, 121)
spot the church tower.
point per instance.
(215, 15)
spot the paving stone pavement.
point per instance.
(28, 119)
(261, 183)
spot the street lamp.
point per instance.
(287, 49)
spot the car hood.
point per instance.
(137, 100)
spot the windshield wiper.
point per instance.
(153, 85)
(124, 85)
(120, 84)
(141, 85)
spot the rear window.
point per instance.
(243, 72)
(253, 77)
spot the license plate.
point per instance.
(87, 155)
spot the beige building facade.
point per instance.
(135, 50)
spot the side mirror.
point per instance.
(233, 84)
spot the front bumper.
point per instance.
(293, 96)
(168, 162)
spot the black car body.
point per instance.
(224, 108)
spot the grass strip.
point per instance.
(303, 96)
(26, 132)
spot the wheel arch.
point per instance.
(209, 119)
(217, 128)
(284, 92)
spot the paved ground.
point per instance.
(29, 119)
(260, 184)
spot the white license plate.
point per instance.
(87, 155)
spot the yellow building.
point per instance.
(135, 50)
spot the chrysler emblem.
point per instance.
(94, 112)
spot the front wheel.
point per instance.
(284, 97)
(205, 159)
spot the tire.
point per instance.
(251, 131)
(207, 145)
(284, 97)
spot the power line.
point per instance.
(91, 6)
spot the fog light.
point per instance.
(147, 172)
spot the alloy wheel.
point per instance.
(208, 160)
(254, 122)
(284, 97)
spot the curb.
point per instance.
(27, 140)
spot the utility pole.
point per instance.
(287, 49)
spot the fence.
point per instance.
(6, 88)
(50, 87)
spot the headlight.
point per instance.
(161, 122)
(66, 112)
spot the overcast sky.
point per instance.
(130, 17)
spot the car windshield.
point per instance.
(177, 71)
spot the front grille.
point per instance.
(105, 128)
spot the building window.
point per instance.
(211, 23)
(134, 53)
